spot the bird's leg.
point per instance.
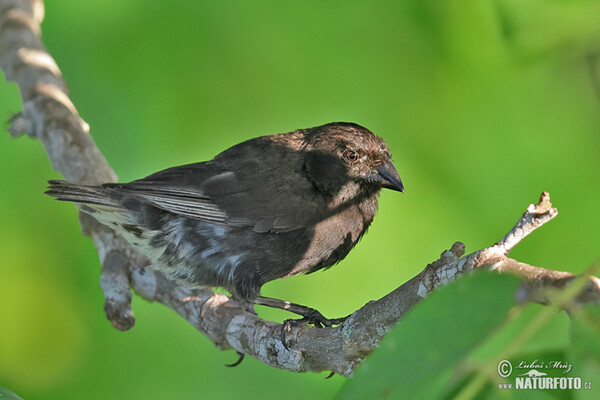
(309, 315)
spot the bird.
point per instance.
(270, 207)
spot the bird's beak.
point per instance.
(388, 177)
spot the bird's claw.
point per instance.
(239, 360)
(313, 317)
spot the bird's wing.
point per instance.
(265, 190)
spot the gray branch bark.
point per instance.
(50, 116)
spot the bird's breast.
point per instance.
(334, 237)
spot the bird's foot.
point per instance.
(312, 317)
(309, 315)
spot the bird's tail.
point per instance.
(85, 194)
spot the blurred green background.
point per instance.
(484, 104)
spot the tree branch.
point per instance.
(49, 116)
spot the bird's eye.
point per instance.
(350, 155)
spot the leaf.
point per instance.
(585, 332)
(416, 359)
(6, 394)
(585, 349)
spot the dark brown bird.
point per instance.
(268, 208)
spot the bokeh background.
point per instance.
(484, 104)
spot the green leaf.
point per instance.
(6, 394)
(416, 359)
(585, 333)
(585, 349)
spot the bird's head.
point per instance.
(340, 152)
